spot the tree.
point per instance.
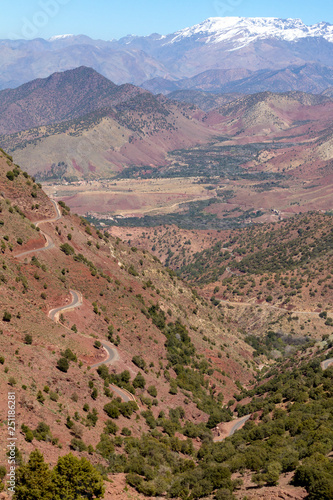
(7, 316)
(63, 365)
(110, 427)
(139, 381)
(272, 474)
(34, 479)
(125, 376)
(152, 391)
(139, 362)
(68, 354)
(74, 478)
(28, 339)
(40, 397)
(67, 249)
(112, 410)
(103, 372)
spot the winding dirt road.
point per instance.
(76, 302)
(237, 425)
(112, 353)
(49, 243)
(266, 306)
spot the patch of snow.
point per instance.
(59, 37)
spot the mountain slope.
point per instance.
(153, 135)
(128, 299)
(187, 362)
(60, 97)
(88, 126)
(26, 60)
(206, 101)
(328, 92)
(243, 31)
(210, 80)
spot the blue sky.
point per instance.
(106, 19)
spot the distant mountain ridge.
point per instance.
(310, 77)
(230, 43)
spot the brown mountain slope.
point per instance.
(60, 97)
(212, 80)
(279, 273)
(262, 153)
(139, 131)
(119, 285)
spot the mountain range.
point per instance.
(241, 46)
(308, 77)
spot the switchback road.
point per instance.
(49, 241)
(54, 314)
(111, 351)
(76, 302)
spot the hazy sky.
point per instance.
(106, 19)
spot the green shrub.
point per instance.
(28, 339)
(67, 249)
(139, 381)
(152, 391)
(63, 365)
(68, 354)
(6, 317)
(139, 362)
(78, 445)
(40, 397)
(126, 432)
(54, 396)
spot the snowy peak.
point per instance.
(241, 31)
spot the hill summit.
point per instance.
(60, 97)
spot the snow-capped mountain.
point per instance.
(236, 44)
(245, 30)
(219, 29)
